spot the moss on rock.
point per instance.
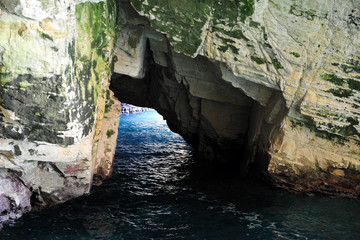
(184, 21)
(97, 29)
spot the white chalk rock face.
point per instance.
(41, 9)
(54, 100)
(130, 52)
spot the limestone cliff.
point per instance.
(268, 84)
(55, 106)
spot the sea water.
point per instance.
(160, 191)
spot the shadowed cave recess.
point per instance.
(224, 125)
(228, 125)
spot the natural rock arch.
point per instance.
(251, 82)
(216, 118)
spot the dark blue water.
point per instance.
(158, 192)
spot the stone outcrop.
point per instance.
(58, 120)
(270, 87)
(14, 197)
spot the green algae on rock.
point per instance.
(54, 72)
(309, 52)
(185, 22)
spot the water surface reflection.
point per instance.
(158, 192)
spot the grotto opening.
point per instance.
(272, 86)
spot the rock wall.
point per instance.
(55, 106)
(271, 84)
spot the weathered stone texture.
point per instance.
(41, 9)
(297, 62)
(56, 62)
(14, 197)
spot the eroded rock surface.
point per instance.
(273, 82)
(55, 105)
(14, 197)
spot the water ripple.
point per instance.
(159, 191)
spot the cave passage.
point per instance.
(226, 118)
(158, 191)
(223, 124)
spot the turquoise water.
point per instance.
(158, 192)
